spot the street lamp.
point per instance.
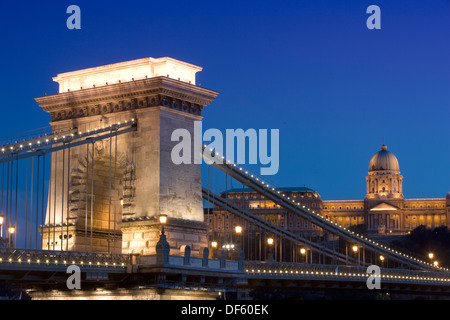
(11, 231)
(240, 251)
(436, 263)
(270, 243)
(431, 255)
(303, 252)
(238, 230)
(163, 218)
(355, 249)
(2, 219)
(214, 245)
(163, 221)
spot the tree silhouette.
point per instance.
(424, 241)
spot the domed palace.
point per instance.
(384, 211)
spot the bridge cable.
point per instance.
(92, 193)
(213, 186)
(115, 189)
(209, 211)
(10, 196)
(8, 221)
(54, 201)
(109, 200)
(17, 189)
(2, 212)
(87, 199)
(26, 206)
(43, 195)
(49, 209)
(37, 201)
(68, 195)
(62, 197)
(31, 201)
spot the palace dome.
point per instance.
(384, 160)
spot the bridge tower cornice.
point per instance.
(127, 96)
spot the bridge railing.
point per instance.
(64, 257)
(344, 272)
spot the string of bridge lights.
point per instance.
(324, 220)
(61, 137)
(63, 262)
(342, 274)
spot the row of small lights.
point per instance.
(72, 135)
(47, 261)
(343, 274)
(48, 142)
(227, 162)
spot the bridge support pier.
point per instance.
(142, 237)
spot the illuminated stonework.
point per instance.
(384, 210)
(125, 72)
(161, 96)
(384, 180)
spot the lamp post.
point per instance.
(214, 245)
(162, 221)
(11, 231)
(270, 242)
(238, 230)
(355, 249)
(2, 219)
(240, 251)
(303, 252)
(162, 246)
(382, 260)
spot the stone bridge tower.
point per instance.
(161, 95)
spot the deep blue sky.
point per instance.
(309, 68)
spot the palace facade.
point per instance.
(384, 210)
